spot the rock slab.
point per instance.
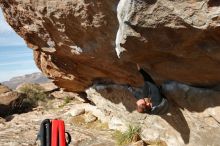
(193, 114)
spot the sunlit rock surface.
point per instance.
(73, 41)
(78, 42)
(174, 40)
(193, 117)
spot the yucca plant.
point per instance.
(132, 134)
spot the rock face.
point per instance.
(74, 40)
(175, 40)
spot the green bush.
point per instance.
(130, 135)
(34, 93)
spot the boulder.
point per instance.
(78, 43)
(73, 41)
(172, 40)
(10, 101)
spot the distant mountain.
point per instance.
(29, 78)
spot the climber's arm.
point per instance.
(145, 75)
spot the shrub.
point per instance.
(34, 93)
(67, 100)
(130, 135)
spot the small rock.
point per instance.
(90, 118)
(76, 112)
(2, 120)
(138, 143)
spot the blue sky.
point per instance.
(15, 58)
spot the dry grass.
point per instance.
(132, 134)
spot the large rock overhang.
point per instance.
(74, 41)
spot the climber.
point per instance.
(149, 97)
